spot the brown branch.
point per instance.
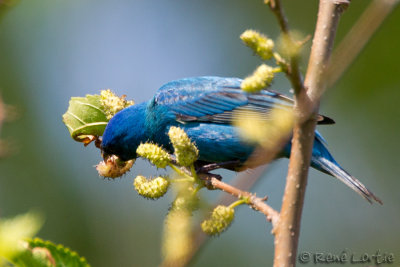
(358, 36)
(306, 107)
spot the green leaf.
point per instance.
(44, 254)
(15, 229)
(85, 118)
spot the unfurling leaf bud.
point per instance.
(261, 44)
(261, 78)
(153, 188)
(219, 221)
(112, 103)
(113, 167)
(155, 154)
(185, 151)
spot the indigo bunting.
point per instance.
(204, 108)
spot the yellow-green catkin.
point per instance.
(265, 129)
(261, 44)
(219, 221)
(152, 188)
(113, 167)
(112, 103)
(261, 78)
(287, 45)
(177, 237)
(155, 154)
(187, 202)
(185, 151)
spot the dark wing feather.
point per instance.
(215, 99)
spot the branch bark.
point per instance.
(306, 108)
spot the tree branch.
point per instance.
(306, 107)
(356, 39)
(254, 201)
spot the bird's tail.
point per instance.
(327, 164)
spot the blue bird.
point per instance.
(203, 107)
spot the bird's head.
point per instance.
(124, 133)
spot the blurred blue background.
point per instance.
(52, 50)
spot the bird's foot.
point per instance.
(201, 167)
(207, 177)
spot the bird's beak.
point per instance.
(112, 166)
(105, 156)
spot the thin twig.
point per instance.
(276, 8)
(244, 181)
(294, 74)
(356, 39)
(254, 201)
(306, 106)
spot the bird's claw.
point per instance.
(206, 177)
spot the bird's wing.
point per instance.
(215, 99)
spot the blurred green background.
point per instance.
(51, 50)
